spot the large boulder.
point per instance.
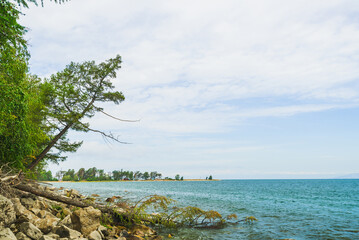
(65, 232)
(30, 230)
(7, 234)
(7, 211)
(86, 220)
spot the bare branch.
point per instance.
(123, 120)
(105, 135)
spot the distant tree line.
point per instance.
(94, 174)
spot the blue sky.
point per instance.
(236, 89)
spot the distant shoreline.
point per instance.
(157, 180)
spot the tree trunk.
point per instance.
(49, 146)
(58, 198)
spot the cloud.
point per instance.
(205, 67)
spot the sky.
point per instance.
(233, 89)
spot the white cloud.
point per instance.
(206, 66)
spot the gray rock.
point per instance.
(7, 234)
(95, 235)
(30, 230)
(22, 236)
(65, 232)
(7, 211)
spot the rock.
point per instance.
(135, 237)
(30, 230)
(22, 236)
(7, 234)
(124, 233)
(47, 224)
(45, 237)
(36, 211)
(42, 213)
(7, 211)
(52, 235)
(65, 232)
(22, 213)
(66, 211)
(103, 230)
(86, 220)
(142, 230)
(66, 222)
(13, 228)
(95, 235)
(28, 202)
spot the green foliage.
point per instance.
(43, 175)
(161, 211)
(15, 142)
(210, 177)
(71, 96)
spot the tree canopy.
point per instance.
(36, 114)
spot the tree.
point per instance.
(15, 143)
(137, 175)
(159, 175)
(81, 173)
(177, 177)
(73, 94)
(146, 175)
(153, 175)
(210, 177)
(19, 136)
(182, 178)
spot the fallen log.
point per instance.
(59, 198)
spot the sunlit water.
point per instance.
(297, 209)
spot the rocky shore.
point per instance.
(25, 216)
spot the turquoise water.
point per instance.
(297, 209)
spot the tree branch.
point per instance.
(123, 120)
(103, 133)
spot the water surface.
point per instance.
(297, 209)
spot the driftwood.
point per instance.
(59, 198)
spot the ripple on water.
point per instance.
(298, 209)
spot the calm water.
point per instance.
(298, 209)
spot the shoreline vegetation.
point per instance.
(99, 175)
(32, 210)
(156, 180)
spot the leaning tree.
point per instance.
(72, 95)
